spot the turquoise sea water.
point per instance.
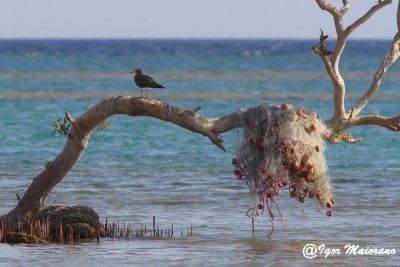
(142, 167)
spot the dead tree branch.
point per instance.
(366, 16)
(343, 120)
(82, 128)
(389, 59)
(334, 56)
(391, 123)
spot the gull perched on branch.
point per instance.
(145, 82)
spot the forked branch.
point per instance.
(336, 78)
(389, 59)
(341, 119)
(380, 4)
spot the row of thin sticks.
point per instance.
(117, 230)
(41, 229)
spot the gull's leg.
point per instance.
(141, 93)
(146, 92)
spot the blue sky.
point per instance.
(297, 19)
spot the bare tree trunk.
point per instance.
(35, 196)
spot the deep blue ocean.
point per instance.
(141, 167)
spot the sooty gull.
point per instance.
(145, 81)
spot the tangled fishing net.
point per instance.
(281, 148)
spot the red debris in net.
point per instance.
(278, 149)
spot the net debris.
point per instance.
(281, 148)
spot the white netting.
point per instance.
(282, 148)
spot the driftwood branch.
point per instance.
(341, 119)
(337, 14)
(389, 59)
(333, 72)
(367, 15)
(35, 196)
(334, 57)
(391, 123)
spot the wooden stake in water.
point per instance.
(252, 225)
(154, 225)
(71, 235)
(98, 234)
(61, 233)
